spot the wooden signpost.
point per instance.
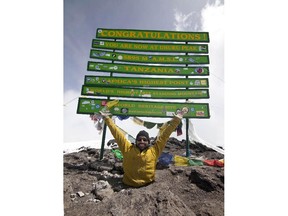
(140, 53)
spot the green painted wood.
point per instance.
(143, 108)
(136, 34)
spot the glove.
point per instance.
(178, 115)
(105, 114)
(181, 113)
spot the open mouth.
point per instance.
(141, 145)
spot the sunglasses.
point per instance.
(143, 139)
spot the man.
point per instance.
(139, 160)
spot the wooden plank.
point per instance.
(143, 108)
(151, 47)
(158, 59)
(145, 92)
(136, 34)
(145, 82)
(151, 70)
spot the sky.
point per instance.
(82, 18)
(32, 116)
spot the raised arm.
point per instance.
(164, 133)
(118, 135)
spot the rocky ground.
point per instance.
(94, 187)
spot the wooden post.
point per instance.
(187, 124)
(105, 126)
(187, 138)
(103, 141)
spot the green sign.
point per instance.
(152, 35)
(146, 93)
(143, 108)
(166, 59)
(146, 82)
(152, 47)
(142, 69)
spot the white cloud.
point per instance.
(210, 19)
(213, 17)
(186, 22)
(213, 22)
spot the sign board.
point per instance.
(143, 108)
(143, 69)
(151, 47)
(146, 93)
(146, 82)
(165, 59)
(152, 35)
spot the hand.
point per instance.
(178, 115)
(181, 113)
(105, 114)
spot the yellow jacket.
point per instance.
(139, 167)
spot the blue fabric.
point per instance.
(165, 159)
(123, 117)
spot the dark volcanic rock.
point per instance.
(94, 187)
(204, 180)
(136, 202)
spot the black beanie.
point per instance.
(143, 133)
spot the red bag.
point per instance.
(215, 163)
(219, 163)
(209, 162)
